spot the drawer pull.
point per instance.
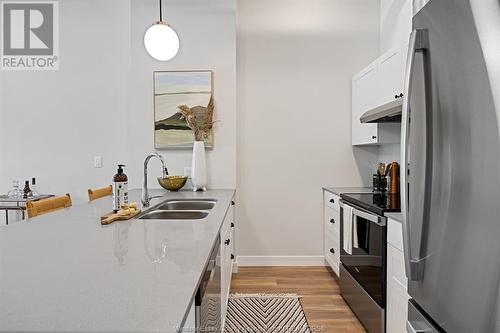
(232, 256)
(232, 225)
(332, 201)
(332, 221)
(227, 241)
(332, 251)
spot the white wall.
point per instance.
(295, 63)
(54, 122)
(395, 23)
(207, 32)
(100, 101)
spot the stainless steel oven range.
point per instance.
(363, 234)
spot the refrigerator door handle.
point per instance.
(414, 271)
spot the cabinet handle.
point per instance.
(232, 256)
(332, 201)
(332, 250)
(401, 95)
(227, 241)
(232, 225)
(396, 96)
(232, 202)
(374, 137)
(332, 221)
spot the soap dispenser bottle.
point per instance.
(120, 189)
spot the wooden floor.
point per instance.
(325, 309)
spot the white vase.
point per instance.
(199, 167)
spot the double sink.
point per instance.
(179, 209)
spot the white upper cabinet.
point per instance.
(379, 83)
(391, 73)
(364, 96)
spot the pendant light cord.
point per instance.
(161, 16)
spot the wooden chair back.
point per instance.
(100, 193)
(44, 206)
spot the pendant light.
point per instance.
(161, 41)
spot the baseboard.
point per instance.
(280, 261)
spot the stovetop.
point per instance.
(376, 202)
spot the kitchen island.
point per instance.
(64, 272)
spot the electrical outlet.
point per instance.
(98, 161)
(187, 171)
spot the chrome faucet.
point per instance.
(145, 194)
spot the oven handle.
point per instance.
(379, 220)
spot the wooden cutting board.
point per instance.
(112, 217)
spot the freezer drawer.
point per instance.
(417, 321)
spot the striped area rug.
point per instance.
(273, 313)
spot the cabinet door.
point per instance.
(332, 249)
(397, 311)
(226, 265)
(391, 73)
(397, 295)
(364, 97)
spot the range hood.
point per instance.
(385, 113)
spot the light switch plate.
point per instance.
(98, 161)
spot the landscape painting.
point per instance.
(171, 90)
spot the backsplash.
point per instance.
(368, 158)
(389, 153)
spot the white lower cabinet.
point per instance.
(227, 259)
(331, 230)
(397, 283)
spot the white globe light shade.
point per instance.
(161, 42)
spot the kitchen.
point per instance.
(345, 260)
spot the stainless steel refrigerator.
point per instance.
(451, 168)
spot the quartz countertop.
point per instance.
(340, 190)
(394, 216)
(64, 272)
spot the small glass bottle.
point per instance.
(34, 192)
(26, 190)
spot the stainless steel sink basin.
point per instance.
(187, 205)
(173, 215)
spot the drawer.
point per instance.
(332, 219)
(226, 225)
(396, 275)
(332, 247)
(331, 200)
(395, 234)
(228, 220)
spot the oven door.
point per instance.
(363, 250)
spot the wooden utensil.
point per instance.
(382, 169)
(112, 217)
